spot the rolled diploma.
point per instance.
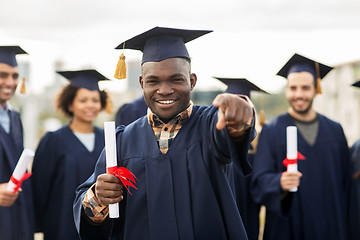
(110, 153)
(21, 167)
(291, 150)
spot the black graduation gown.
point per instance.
(248, 208)
(61, 164)
(354, 210)
(183, 194)
(129, 112)
(16, 222)
(318, 209)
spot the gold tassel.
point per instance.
(108, 106)
(120, 72)
(262, 117)
(318, 84)
(23, 89)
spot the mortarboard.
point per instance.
(356, 84)
(299, 63)
(84, 78)
(160, 43)
(240, 86)
(243, 86)
(8, 54)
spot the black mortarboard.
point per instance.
(299, 63)
(8, 54)
(356, 84)
(84, 78)
(161, 43)
(240, 86)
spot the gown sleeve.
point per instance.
(230, 149)
(85, 227)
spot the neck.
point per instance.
(81, 127)
(3, 104)
(305, 117)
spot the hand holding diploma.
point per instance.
(7, 198)
(109, 186)
(290, 179)
(9, 192)
(20, 174)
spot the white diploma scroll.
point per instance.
(111, 161)
(26, 156)
(291, 150)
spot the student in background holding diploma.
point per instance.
(318, 209)
(66, 158)
(16, 209)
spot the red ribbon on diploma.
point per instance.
(126, 177)
(286, 161)
(18, 183)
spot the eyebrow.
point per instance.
(171, 76)
(177, 75)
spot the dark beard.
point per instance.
(302, 112)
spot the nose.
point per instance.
(298, 93)
(165, 89)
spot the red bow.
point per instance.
(19, 182)
(286, 161)
(126, 177)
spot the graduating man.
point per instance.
(183, 155)
(318, 209)
(129, 112)
(248, 208)
(16, 209)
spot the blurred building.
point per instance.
(340, 101)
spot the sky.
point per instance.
(251, 39)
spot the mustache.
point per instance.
(296, 99)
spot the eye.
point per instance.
(151, 81)
(3, 75)
(15, 76)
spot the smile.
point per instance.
(166, 101)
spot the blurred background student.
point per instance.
(248, 208)
(354, 207)
(16, 211)
(129, 112)
(65, 158)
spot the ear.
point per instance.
(141, 81)
(193, 80)
(71, 108)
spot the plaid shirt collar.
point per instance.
(156, 122)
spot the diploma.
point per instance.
(111, 161)
(19, 174)
(292, 151)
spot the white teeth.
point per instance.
(7, 90)
(166, 101)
